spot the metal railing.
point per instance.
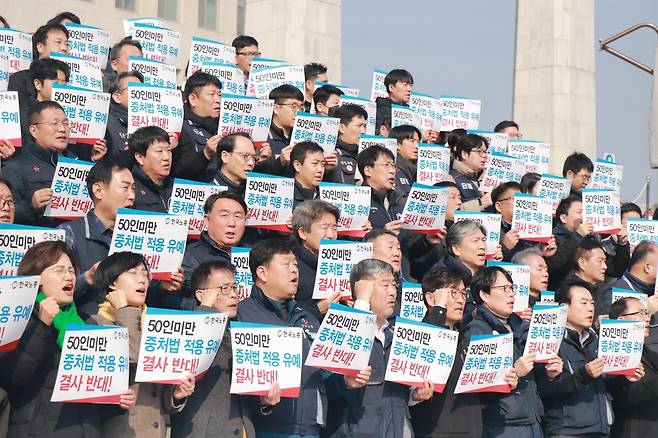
(605, 41)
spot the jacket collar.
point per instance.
(139, 174)
(272, 305)
(494, 321)
(407, 167)
(351, 149)
(95, 229)
(210, 124)
(462, 168)
(306, 256)
(43, 154)
(205, 238)
(303, 194)
(120, 112)
(637, 284)
(222, 179)
(277, 134)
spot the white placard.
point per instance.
(158, 43)
(602, 208)
(245, 114)
(459, 112)
(155, 73)
(425, 209)
(497, 140)
(352, 201)
(188, 199)
(641, 229)
(242, 275)
(17, 296)
(606, 175)
(70, 199)
(17, 46)
(203, 50)
(90, 43)
(378, 88)
(262, 81)
(10, 117)
(16, 239)
(433, 164)
(536, 155)
(430, 110)
(129, 24)
(488, 358)
(491, 223)
(269, 201)
(87, 112)
(546, 331)
(412, 303)
(154, 106)
(335, 261)
(620, 345)
(555, 188)
(84, 74)
(500, 169)
(365, 141)
(317, 128)
(532, 217)
(231, 77)
(404, 115)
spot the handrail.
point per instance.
(605, 41)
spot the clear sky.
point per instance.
(466, 48)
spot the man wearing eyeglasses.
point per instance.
(116, 133)
(288, 101)
(236, 157)
(246, 48)
(212, 407)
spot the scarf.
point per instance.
(67, 315)
(107, 311)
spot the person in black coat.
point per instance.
(399, 83)
(116, 132)
(308, 164)
(152, 165)
(212, 411)
(407, 137)
(352, 125)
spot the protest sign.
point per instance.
(459, 112)
(129, 24)
(242, 275)
(16, 239)
(421, 351)
(641, 229)
(412, 304)
(499, 169)
(352, 201)
(269, 201)
(602, 209)
(10, 119)
(188, 199)
(158, 43)
(430, 110)
(378, 88)
(17, 296)
(619, 293)
(536, 155)
(261, 63)
(488, 358)
(155, 73)
(606, 175)
(87, 112)
(204, 50)
(88, 42)
(491, 223)
(344, 341)
(17, 46)
(365, 141)
(532, 217)
(159, 237)
(425, 209)
(84, 74)
(245, 114)
(554, 188)
(70, 199)
(265, 354)
(433, 164)
(264, 80)
(231, 77)
(4, 71)
(335, 261)
(93, 366)
(154, 106)
(369, 107)
(497, 140)
(404, 115)
(620, 345)
(546, 331)
(317, 128)
(178, 343)
(547, 296)
(521, 279)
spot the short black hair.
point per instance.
(529, 181)
(102, 172)
(66, 15)
(563, 292)
(323, 93)
(347, 112)
(34, 112)
(405, 132)
(576, 162)
(264, 251)
(564, 206)
(313, 70)
(197, 80)
(112, 267)
(226, 194)
(227, 144)
(452, 138)
(498, 191)
(301, 150)
(286, 91)
(484, 279)
(115, 51)
(467, 143)
(47, 68)
(505, 124)
(584, 250)
(618, 308)
(368, 156)
(375, 233)
(140, 140)
(439, 278)
(205, 270)
(6, 182)
(242, 41)
(41, 35)
(115, 81)
(446, 184)
(628, 207)
(397, 75)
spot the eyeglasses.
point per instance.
(55, 123)
(458, 293)
(509, 198)
(507, 288)
(292, 105)
(60, 270)
(7, 203)
(249, 54)
(225, 289)
(480, 152)
(246, 156)
(643, 312)
(388, 164)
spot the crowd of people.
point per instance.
(568, 396)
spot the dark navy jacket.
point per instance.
(626, 281)
(521, 407)
(116, 133)
(202, 250)
(188, 158)
(345, 171)
(291, 416)
(574, 403)
(148, 195)
(307, 263)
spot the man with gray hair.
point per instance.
(640, 277)
(534, 258)
(378, 408)
(312, 221)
